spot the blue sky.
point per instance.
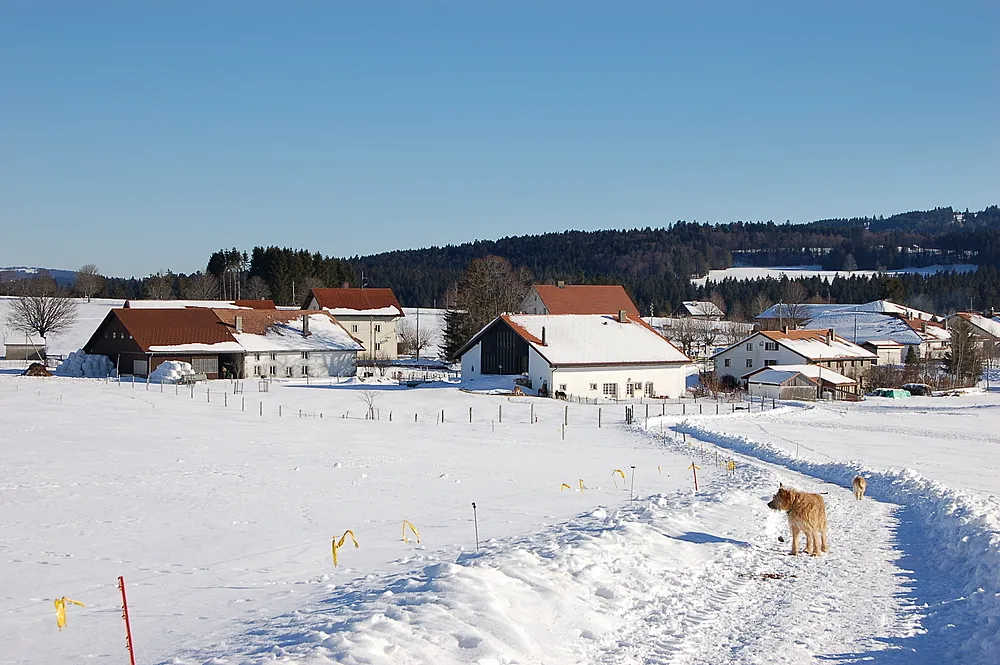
(143, 136)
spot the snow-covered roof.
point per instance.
(181, 304)
(325, 334)
(775, 374)
(861, 326)
(883, 343)
(701, 308)
(590, 339)
(814, 345)
(984, 323)
(808, 311)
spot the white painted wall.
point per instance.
(739, 354)
(381, 343)
(471, 369)
(532, 304)
(667, 380)
(318, 364)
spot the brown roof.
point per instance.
(359, 299)
(255, 304)
(256, 322)
(170, 327)
(585, 299)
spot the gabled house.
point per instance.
(562, 298)
(984, 328)
(371, 315)
(700, 309)
(577, 355)
(794, 347)
(226, 343)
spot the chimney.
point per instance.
(923, 326)
(829, 336)
(784, 329)
(560, 284)
(345, 285)
(543, 335)
(622, 316)
(305, 325)
(239, 323)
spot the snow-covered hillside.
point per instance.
(220, 519)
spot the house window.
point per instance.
(274, 356)
(636, 387)
(378, 346)
(562, 387)
(114, 335)
(256, 356)
(258, 370)
(274, 370)
(649, 389)
(749, 362)
(610, 390)
(770, 346)
(288, 372)
(305, 355)
(729, 362)
(593, 386)
(768, 363)
(749, 346)
(305, 370)
(354, 327)
(378, 327)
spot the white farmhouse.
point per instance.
(794, 347)
(579, 355)
(370, 315)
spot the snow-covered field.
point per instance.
(794, 272)
(220, 520)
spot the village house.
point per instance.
(985, 329)
(588, 356)
(889, 352)
(562, 298)
(806, 382)
(699, 309)
(226, 343)
(794, 347)
(371, 315)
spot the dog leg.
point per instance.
(826, 548)
(810, 542)
(795, 539)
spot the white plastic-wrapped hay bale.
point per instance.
(171, 371)
(80, 364)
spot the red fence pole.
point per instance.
(128, 626)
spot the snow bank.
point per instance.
(170, 371)
(81, 364)
(961, 529)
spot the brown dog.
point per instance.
(806, 514)
(860, 485)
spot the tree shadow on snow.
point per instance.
(706, 538)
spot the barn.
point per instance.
(577, 355)
(800, 382)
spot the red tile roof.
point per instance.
(585, 299)
(359, 299)
(171, 327)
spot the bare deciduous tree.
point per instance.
(256, 289)
(410, 342)
(759, 304)
(200, 286)
(41, 314)
(369, 397)
(88, 282)
(160, 286)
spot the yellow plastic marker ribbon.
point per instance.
(697, 468)
(581, 486)
(60, 604)
(564, 486)
(617, 471)
(658, 469)
(336, 546)
(407, 523)
(731, 465)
